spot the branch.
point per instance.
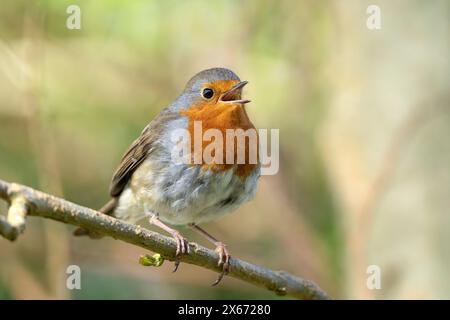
(27, 201)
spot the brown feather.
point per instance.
(138, 152)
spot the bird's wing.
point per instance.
(138, 152)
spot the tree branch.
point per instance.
(27, 201)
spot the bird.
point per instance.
(149, 183)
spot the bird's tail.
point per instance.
(108, 209)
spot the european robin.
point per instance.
(149, 183)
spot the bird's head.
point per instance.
(216, 87)
(212, 92)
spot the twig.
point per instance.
(36, 203)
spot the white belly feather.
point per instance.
(182, 194)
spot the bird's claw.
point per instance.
(182, 248)
(224, 261)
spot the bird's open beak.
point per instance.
(233, 95)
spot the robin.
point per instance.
(149, 183)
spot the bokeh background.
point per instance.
(364, 125)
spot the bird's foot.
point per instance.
(224, 261)
(182, 243)
(182, 247)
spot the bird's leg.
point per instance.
(221, 248)
(182, 243)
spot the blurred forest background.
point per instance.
(363, 116)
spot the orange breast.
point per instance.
(223, 116)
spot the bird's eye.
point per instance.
(207, 93)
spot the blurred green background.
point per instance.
(363, 116)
